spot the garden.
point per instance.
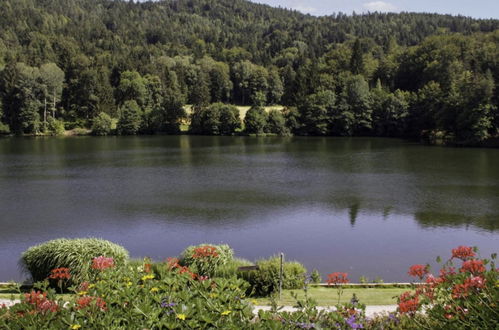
(93, 284)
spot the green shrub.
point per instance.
(265, 280)
(102, 124)
(4, 129)
(316, 276)
(75, 254)
(206, 259)
(230, 269)
(55, 127)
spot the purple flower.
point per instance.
(351, 323)
(165, 303)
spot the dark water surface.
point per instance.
(364, 206)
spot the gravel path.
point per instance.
(370, 310)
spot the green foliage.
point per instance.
(256, 120)
(316, 111)
(265, 280)
(216, 119)
(4, 129)
(55, 127)
(102, 124)
(130, 118)
(316, 276)
(207, 259)
(135, 298)
(277, 123)
(438, 73)
(75, 254)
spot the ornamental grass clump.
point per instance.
(74, 256)
(206, 259)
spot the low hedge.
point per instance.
(265, 280)
(75, 254)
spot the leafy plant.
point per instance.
(265, 280)
(463, 296)
(75, 254)
(316, 276)
(206, 259)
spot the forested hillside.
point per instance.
(89, 63)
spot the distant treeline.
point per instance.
(102, 63)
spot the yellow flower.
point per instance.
(129, 284)
(148, 277)
(213, 295)
(82, 293)
(181, 316)
(75, 326)
(254, 302)
(224, 313)
(91, 286)
(154, 289)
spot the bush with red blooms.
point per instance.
(466, 298)
(206, 259)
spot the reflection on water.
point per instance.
(367, 206)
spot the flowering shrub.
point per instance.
(75, 254)
(466, 298)
(206, 259)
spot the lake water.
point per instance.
(365, 206)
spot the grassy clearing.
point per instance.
(328, 296)
(242, 109)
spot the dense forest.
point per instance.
(130, 68)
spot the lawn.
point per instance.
(325, 296)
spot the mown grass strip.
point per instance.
(325, 296)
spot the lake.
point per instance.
(369, 207)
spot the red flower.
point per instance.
(84, 286)
(459, 291)
(463, 253)
(475, 282)
(206, 251)
(185, 269)
(445, 272)
(418, 271)
(102, 263)
(40, 302)
(463, 290)
(408, 303)
(60, 274)
(89, 301)
(147, 268)
(337, 278)
(473, 266)
(172, 263)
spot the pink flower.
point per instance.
(102, 262)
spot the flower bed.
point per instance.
(170, 295)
